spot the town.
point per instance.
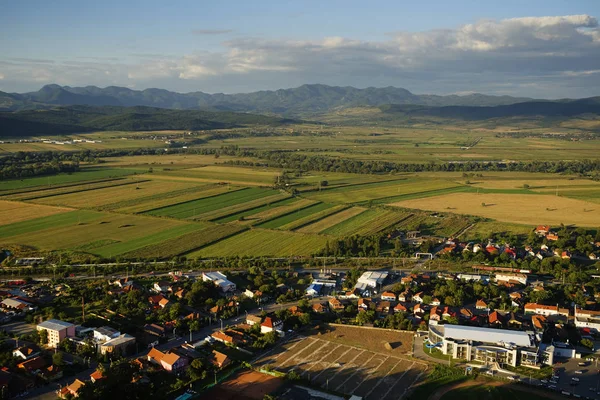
(81, 337)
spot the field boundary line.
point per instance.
(290, 349)
(307, 359)
(411, 384)
(297, 355)
(398, 380)
(286, 214)
(320, 359)
(331, 363)
(383, 378)
(189, 201)
(370, 371)
(355, 372)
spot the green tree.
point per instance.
(587, 343)
(57, 359)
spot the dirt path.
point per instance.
(438, 394)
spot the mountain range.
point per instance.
(78, 119)
(296, 101)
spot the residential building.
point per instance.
(71, 389)
(105, 333)
(33, 365)
(389, 296)
(418, 298)
(319, 308)
(219, 280)
(481, 305)
(541, 309)
(26, 352)
(220, 360)
(271, 324)
(253, 319)
(57, 331)
(335, 304)
(162, 286)
(118, 344)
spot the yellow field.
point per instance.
(535, 184)
(114, 227)
(516, 208)
(11, 212)
(332, 220)
(376, 191)
(101, 197)
(172, 176)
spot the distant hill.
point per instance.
(72, 119)
(565, 108)
(301, 100)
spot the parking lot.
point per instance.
(587, 376)
(345, 368)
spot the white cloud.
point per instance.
(550, 54)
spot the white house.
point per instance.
(271, 324)
(389, 296)
(511, 278)
(105, 333)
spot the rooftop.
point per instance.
(124, 338)
(487, 335)
(55, 325)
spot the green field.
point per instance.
(98, 233)
(367, 222)
(245, 214)
(261, 242)
(185, 243)
(86, 174)
(194, 209)
(286, 219)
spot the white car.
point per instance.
(579, 372)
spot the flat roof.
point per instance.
(55, 324)
(124, 338)
(487, 335)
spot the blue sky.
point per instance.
(506, 47)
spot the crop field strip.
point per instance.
(86, 174)
(193, 209)
(331, 220)
(262, 242)
(186, 243)
(374, 191)
(231, 174)
(367, 222)
(302, 222)
(66, 187)
(344, 368)
(275, 212)
(344, 185)
(246, 206)
(153, 198)
(101, 197)
(72, 230)
(262, 209)
(513, 208)
(78, 188)
(14, 212)
(174, 198)
(290, 218)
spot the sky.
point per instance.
(533, 48)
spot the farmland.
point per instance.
(372, 191)
(519, 209)
(13, 212)
(94, 198)
(262, 242)
(61, 179)
(194, 209)
(98, 233)
(292, 217)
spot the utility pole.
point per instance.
(82, 309)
